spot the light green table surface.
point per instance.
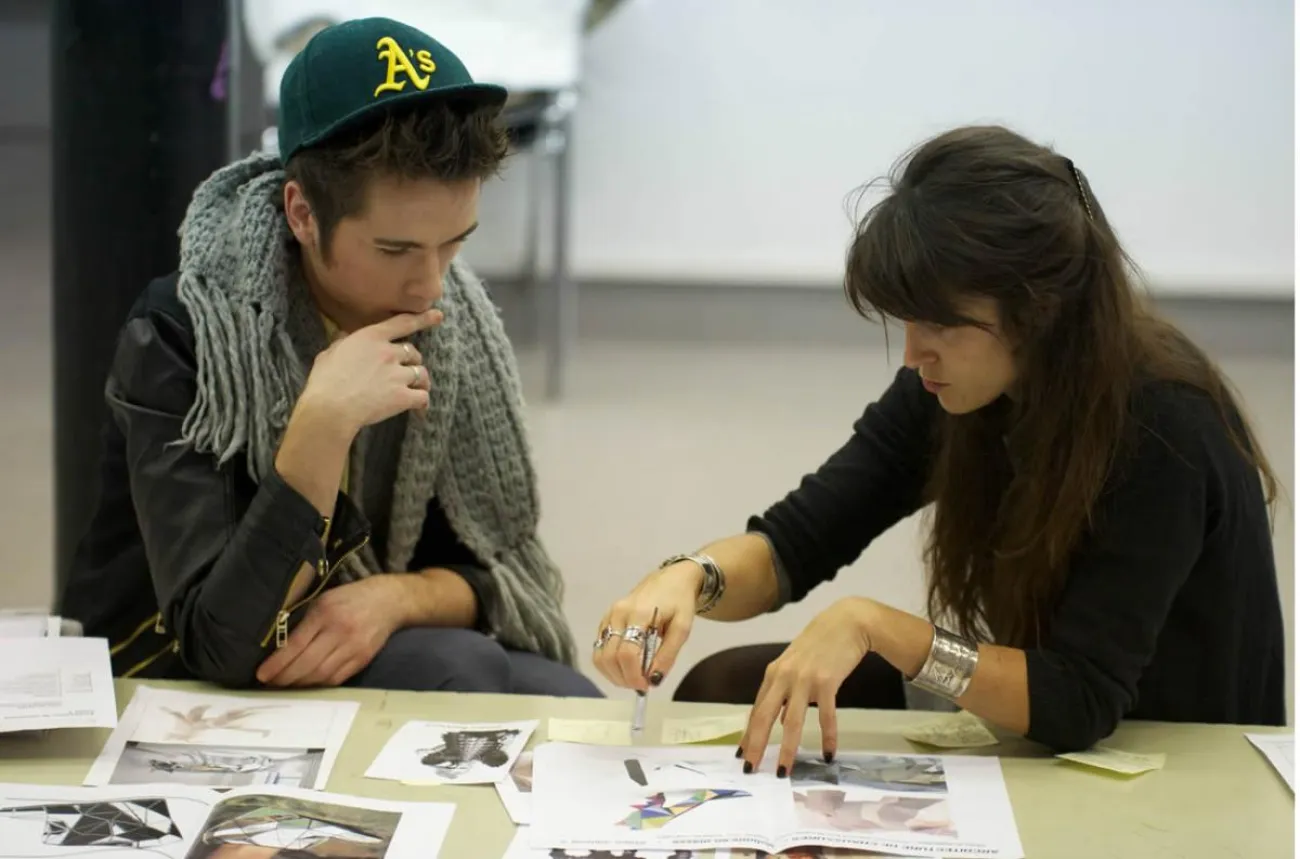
(1216, 795)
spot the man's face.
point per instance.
(392, 255)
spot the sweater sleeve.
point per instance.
(874, 480)
(1147, 534)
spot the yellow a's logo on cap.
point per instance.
(399, 63)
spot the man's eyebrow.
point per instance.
(407, 244)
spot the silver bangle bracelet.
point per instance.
(949, 667)
(714, 580)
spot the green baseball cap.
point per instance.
(356, 69)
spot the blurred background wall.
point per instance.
(716, 146)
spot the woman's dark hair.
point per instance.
(981, 211)
(444, 141)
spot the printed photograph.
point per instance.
(458, 753)
(664, 808)
(911, 773)
(834, 809)
(276, 827)
(130, 826)
(451, 753)
(216, 766)
(521, 774)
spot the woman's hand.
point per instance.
(668, 596)
(810, 671)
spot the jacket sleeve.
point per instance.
(440, 548)
(875, 479)
(1147, 534)
(222, 552)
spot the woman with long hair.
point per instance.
(1100, 539)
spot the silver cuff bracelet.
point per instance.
(949, 668)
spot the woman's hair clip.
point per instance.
(1078, 182)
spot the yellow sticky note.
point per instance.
(589, 731)
(959, 731)
(1114, 760)
(707, 729)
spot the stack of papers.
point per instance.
(58, 683)
(592, 798)
(182, 822)
(221, 741)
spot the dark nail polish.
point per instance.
(656, 678)
(740, 750)
(749, 768)
(780, 771)
(828, 756)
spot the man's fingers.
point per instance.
(406, 324)
(298, 640)
(323, 674)
(303, 669)
(830, 730)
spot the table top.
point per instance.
(1217, 795)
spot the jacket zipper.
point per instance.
(280, 629)
(174, 647)
(154, 621)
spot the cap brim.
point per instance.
(475, 96)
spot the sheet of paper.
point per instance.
(521, 848)
(212, 740)
(697, 798)
(21, 624)
(451, 752)
(958, 731)
(183, 822)
(144, 821)
(293, 821)
(1115, 760)
(516, 792)
(1280, 751)
(589, 731)
(58, 683)
(720, 730)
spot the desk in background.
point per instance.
(1216, 796)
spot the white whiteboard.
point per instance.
(718, 140)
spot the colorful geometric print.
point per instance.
(655, 812)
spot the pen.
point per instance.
(647, 659)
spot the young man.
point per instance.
(316, 471)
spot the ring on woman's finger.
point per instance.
(416, 376)
(634, 635)
(605, 635)
(407, 352)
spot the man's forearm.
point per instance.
(750, 573)
(436, 597)
(311, 459)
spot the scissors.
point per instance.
(647, 659)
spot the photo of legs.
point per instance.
(278, 827)
(834, 809)
(216, 766)
(912, 773)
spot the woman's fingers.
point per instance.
(675, 632)
(603, 655)
(629, 654)
(796, 708)
(767, 708)
(830, 729)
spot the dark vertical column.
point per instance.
(135, 128)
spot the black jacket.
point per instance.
(186, 565)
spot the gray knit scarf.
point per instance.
(256, 332)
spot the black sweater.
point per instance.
(1170, 611)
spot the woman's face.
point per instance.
(966, 367)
